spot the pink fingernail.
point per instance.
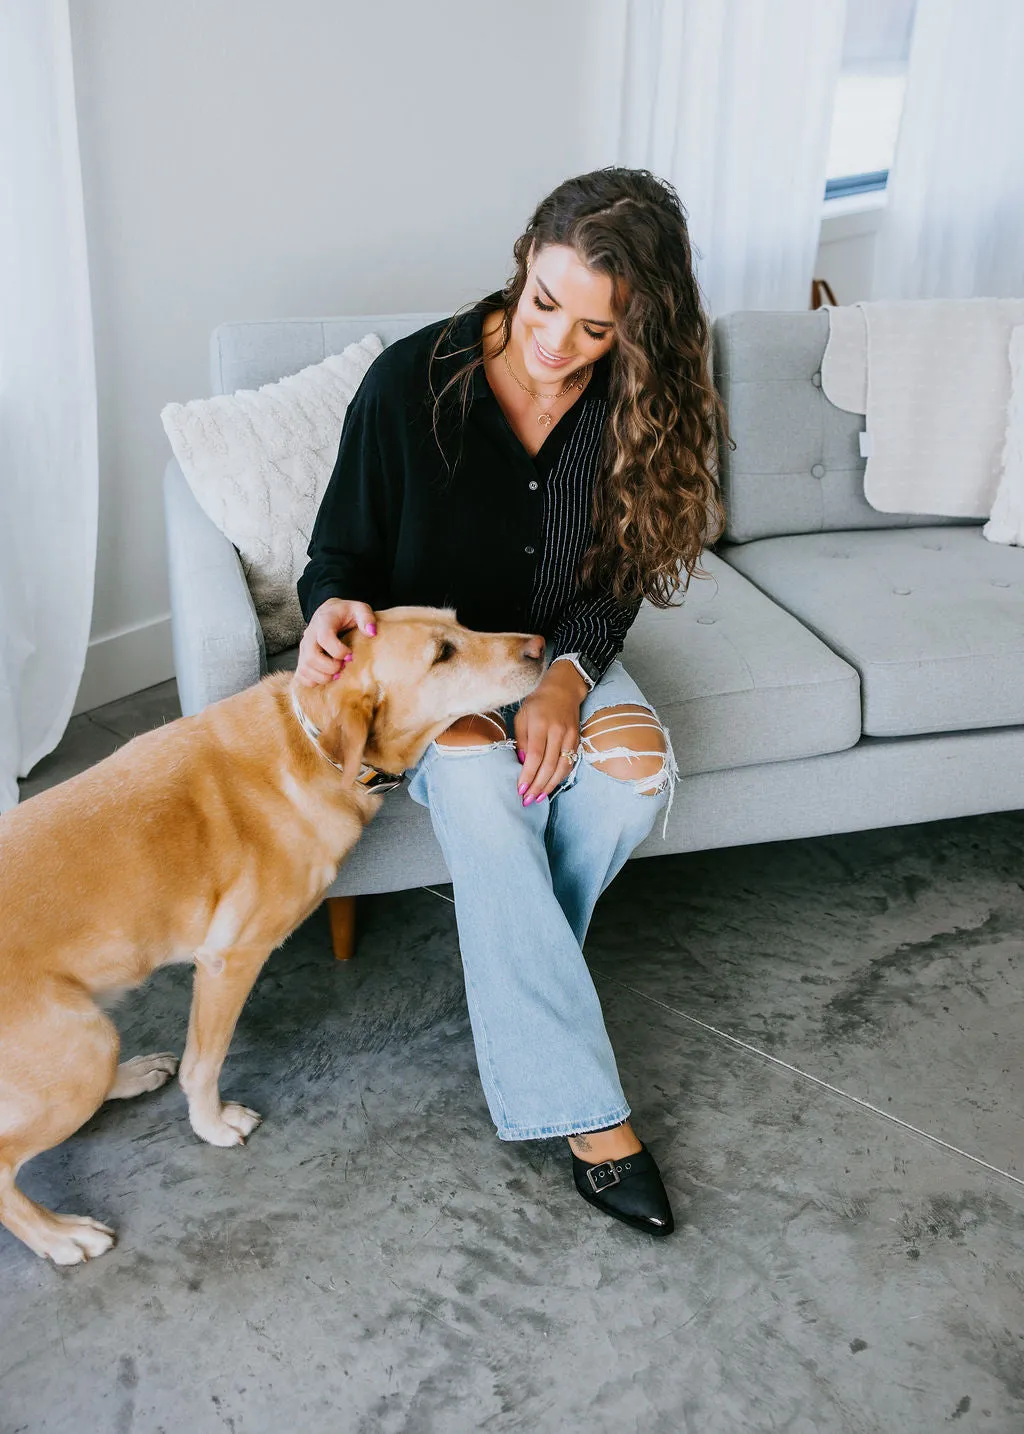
(335, 676)
(347, 658)
(521, 756)
(521, 788)
(543, 797)
(371, 629)
(527, 801)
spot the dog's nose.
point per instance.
(533, 648)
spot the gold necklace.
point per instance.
(576, 381)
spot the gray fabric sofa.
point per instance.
(839, 669)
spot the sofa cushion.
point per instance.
(738, 681)
(932, 619)
(248, 355)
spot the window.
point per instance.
(869, 96)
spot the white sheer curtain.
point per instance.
(731, 100)
(953, 226)
(48, 453)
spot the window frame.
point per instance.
(846, 185)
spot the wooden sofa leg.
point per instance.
(342, 913)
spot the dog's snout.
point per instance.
(533, 648)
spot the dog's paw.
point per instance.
(72, 1239)
(232, 1127)
(143, 1073)
(241, 1118)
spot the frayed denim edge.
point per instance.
(567, 1127)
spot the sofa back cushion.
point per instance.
(248, 355)
(796, 467)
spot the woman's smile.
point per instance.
(549, 359)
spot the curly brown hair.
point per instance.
(657, 504)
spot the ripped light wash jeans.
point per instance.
(526, 881)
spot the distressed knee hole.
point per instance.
(629, 744)
(477, 732)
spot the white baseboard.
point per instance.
(126, 661)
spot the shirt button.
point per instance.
(533, 486)
(818, 471)
(528, 551)
(816, 379)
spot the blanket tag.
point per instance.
(867, 444)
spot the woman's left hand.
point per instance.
(546, 725)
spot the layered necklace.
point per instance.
(575, 381)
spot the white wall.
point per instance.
(269, 158)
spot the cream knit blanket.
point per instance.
(933, 378)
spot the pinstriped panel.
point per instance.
(577, 622)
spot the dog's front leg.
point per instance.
(221, 985)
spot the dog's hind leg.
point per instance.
(222, 983)
(58, 1063)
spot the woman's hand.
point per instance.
(548, 724)
(322, 654)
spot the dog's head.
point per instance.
(403, 687)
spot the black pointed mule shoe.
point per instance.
(628, 1189)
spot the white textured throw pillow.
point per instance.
(1006, 525)
(258, 462)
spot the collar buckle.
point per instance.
(377, 782)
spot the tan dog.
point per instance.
(210, 840)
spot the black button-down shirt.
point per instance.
(485, 528)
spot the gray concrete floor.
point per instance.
(822, 1041)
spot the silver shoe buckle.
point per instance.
(603, 1176)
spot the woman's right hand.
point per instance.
(322, 654)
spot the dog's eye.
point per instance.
(445, 652)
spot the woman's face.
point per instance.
(564, 318)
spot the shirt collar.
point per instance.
(468, 333)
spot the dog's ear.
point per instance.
(344, 740)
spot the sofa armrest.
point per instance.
(218, 642)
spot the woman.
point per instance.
(540, 463)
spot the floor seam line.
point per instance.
(111, 731)
(814, 1080)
